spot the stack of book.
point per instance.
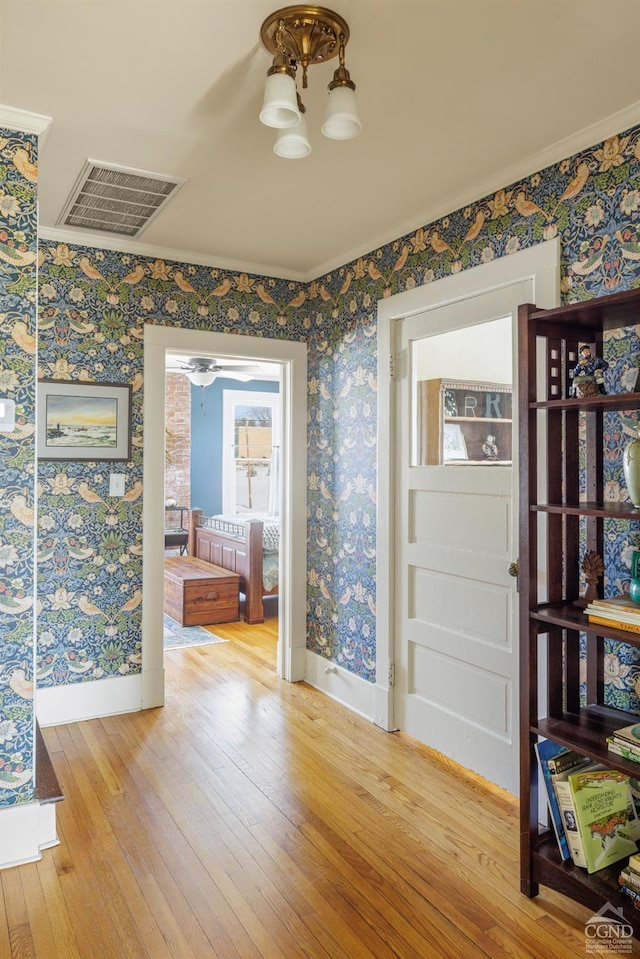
(629, 880)
(592, 808)
(625, 742)
(619, 612)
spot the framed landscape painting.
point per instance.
(83, 421)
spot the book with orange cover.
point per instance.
(614, 623)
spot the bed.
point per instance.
(249, 547)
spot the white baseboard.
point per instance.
(337, 683)
(48, 829)
(25, 830)
(152, 688)
(56, 705)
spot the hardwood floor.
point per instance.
(254, 818)
(260, 639)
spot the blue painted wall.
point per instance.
(206, 438)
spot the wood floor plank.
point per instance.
(63, 940)
(232, 851)
(233, 879)
(20, 933)
(379, 902)
(193, 896)
(254, 819)
(38, 915)
(335, 928)
(5, 944)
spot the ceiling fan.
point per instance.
(202, 371)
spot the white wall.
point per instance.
(480, 352)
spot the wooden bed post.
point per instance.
(194, 516)
(254, 607)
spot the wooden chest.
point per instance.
(198, 593)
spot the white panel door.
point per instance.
(456, 604)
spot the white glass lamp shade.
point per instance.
(293, 143)
(280, 105)
(342, 121)
(202, 377)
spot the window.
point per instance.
(250, 452)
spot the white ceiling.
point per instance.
(457, 98)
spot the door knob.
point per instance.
(513, 569)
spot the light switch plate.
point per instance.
(7, 415)
(116, 484)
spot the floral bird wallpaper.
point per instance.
(92, 307)
(18, 252)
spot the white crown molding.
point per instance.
(567, 147)
(24, 122)
(104, 242)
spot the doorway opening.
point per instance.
(290, 358)
(222, 446)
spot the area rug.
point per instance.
(176, 636)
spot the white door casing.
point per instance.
(159, 340)
(528, 276)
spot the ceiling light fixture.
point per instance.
(300, 36)
(202, 377)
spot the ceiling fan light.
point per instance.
(280, 105)
(293, 143)
(342, 121)
(202, 377)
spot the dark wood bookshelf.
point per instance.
(608, 510)
(560, 519)
(587, 733)
(573, 617)
(612, 402)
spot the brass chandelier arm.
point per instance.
(341, 76)
(281, 60)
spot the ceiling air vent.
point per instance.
(115, 199)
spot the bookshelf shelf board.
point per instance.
(607, 510)
(586, 732)
(593, 890)
(475, 419)
(479, 463)
(591, 404)
(571, 617)
(602, 313)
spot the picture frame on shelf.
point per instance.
(83, 421)
(453, 445)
